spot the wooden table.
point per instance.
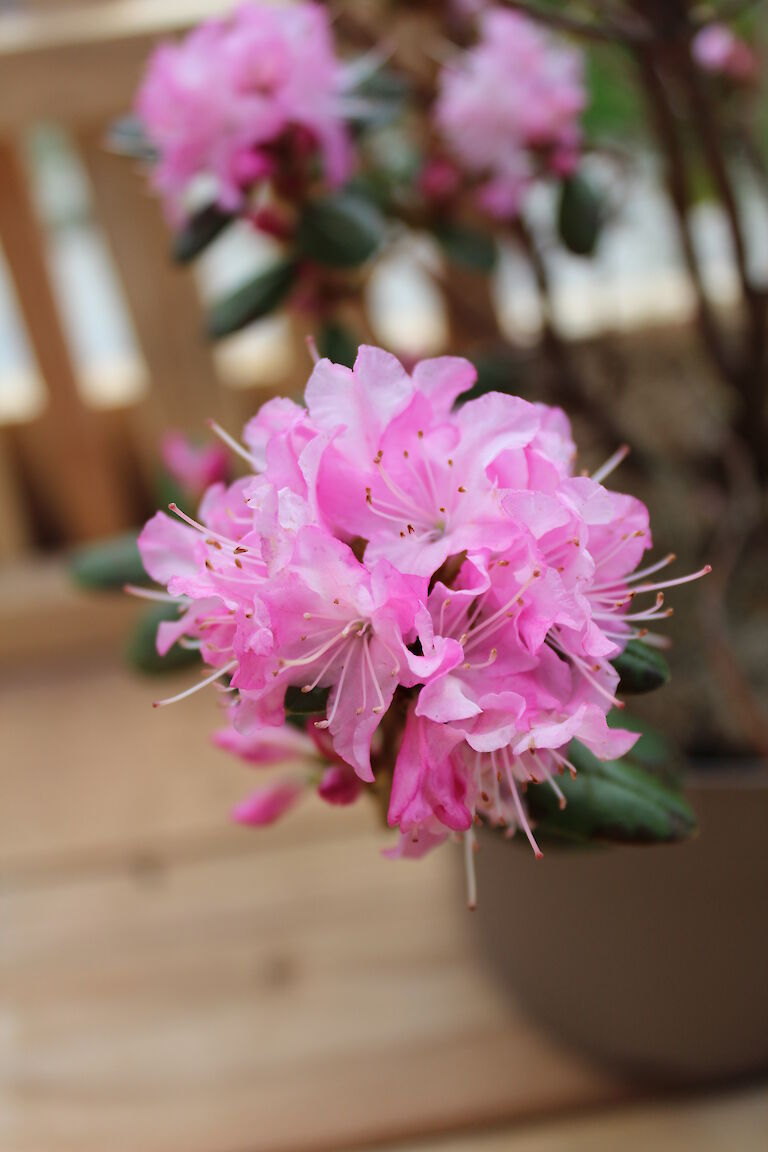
(170, 983)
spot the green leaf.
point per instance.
(199, 231)
(615, 108)
(108, 564)
(337, 343)
(256, 299)
(340, 231)
(467, 247)
(126, 137)
(298, 703)
(141, 650)
(611, 801)
(499, 369)
(653, 750)
(579, 216)
(379, 98)
(641, 668)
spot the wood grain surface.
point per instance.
(170, 983)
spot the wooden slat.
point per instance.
(304, 996)
(45, 618)
(72, 468)
(79, 64)
(162, 297)
(14, 516)
(169, 983)
(736, 1120)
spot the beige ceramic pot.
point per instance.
(655, 958)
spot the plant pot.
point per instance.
(652, 957)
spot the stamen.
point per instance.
(469, 868)
(674, 583)
(582, 667)
(207, 532)
(521, 816)
(152, 594)
(381, 707)
(327, 723)
(486, 663)
(552, 783)
(393, 487)
(324, 669)
(309, 340)
(197, 687)
(564, 763)
(619, 581)
(497, 619)
(303, 661)
(232, 443)
(611, 464)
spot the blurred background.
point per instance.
(169, 982)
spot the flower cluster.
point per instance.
(508, 109)
(194, 467)
(432, 579)
(255, 96)
(718, 50)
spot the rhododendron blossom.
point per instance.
(717, 49)
(427, 589)
(194, 467)
(508, 108)
(252, 96)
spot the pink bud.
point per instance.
(267, 805)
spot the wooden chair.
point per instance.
(69, 472)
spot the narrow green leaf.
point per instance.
(126, 137)
(641, 668)
(108, 564)
(499, 369)
(653, 750)
(610, 802)
(141, 650)
(298, 703)
(198, 232)
(337, 343)
(467, 247)
(256, 299)
(579, 216)
(340, 231)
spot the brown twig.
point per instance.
(745, 512)
(566, 378)
(678, 187)
(605, 30)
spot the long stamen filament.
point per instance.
(197, 687)
(233, 444)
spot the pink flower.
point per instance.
(405, 473)
(430, 584)
(717, 49)
(194, 467)
(238, 95)
(508, 108)
(267, 805)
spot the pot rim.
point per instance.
(729, 774)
